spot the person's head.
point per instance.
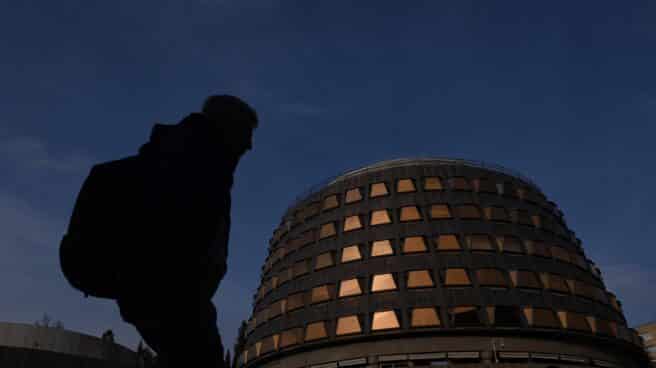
(234, 118)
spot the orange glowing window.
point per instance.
(381, 248)
(330, 202)
(349, 287)
(385, 320)
(315, 331)
(419, 279)
(448, 242)
(440, 211)
(352, 223)
(380, 217)
(410, 213)
(327, 230)
(433, 183)
(405, 186)
(353, 195)
(414, 244)
(424, 317)
(456, 277)
(383, 282)
(378, 190)
(351, 253)
(348, 325)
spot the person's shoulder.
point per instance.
(107, 167)
(194, 119)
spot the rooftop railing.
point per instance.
(408, 162)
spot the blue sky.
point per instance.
(562, 91)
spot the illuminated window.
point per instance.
(383, 282)
(574, 321)
(352, 223)
(378, 190)
(464, 317)
(424, 317)
(381, 248)
(405, 186)
(537, 248)
(520, 193)
(277, 308)
(560, 254)
(351, 253)
(385, 320)
(321, 294)
(301, 268)
(495, 214)
(448, 242)
(353, 195)
(537, 221)
(485, 186)
(525, 279)
(327, 230)
(433, 183)
(291, 337)
(410, 213)
(491, 277)
(324, 260)
(380, 217)
(459, 183)
(440, 211)
(479, 242)
(414, 244)
(504, 316)
(419, 279)
(554, 283)
(509, 244)
(468, 212)
(348, 325)
(295, 301)
(349, 288)
(330, 202)
(456, 277)
(538, 317)
(315, 331)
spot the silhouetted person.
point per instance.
(163, 219)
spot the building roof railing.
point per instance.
(382, 165)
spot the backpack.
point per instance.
(91, 253)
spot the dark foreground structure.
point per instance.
(27, 346)
(433, 262)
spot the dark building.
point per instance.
(27, 346)
(432, 262)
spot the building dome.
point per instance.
(424, 262)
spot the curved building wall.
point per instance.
(432, 261)
(22, 342)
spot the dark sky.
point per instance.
(563, 91)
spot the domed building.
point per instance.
(432, 262)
